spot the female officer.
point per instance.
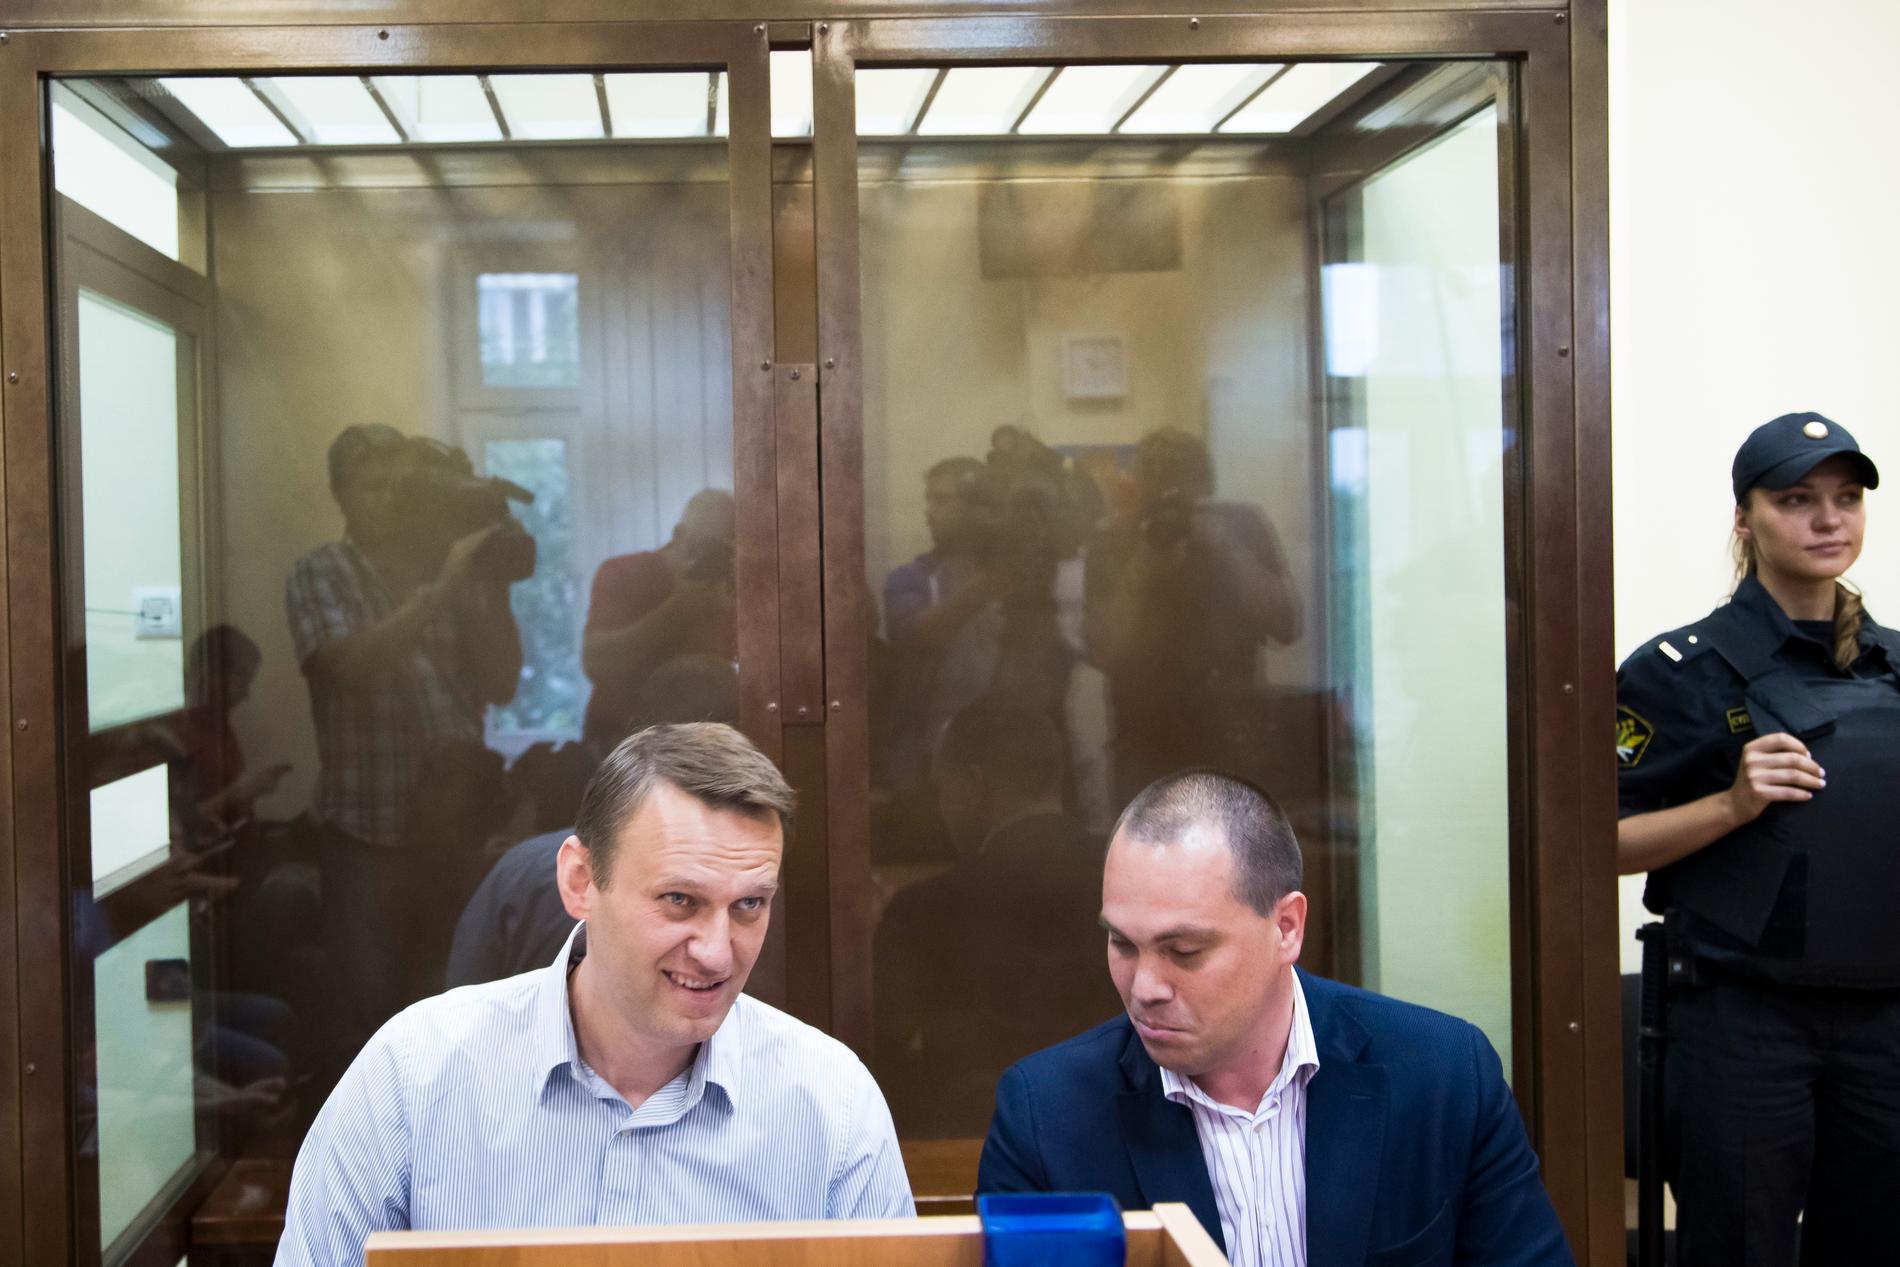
(1759, 781)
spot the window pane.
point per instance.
(147, 1114)
(131, 825)
(107, 172)
(530, 327)
(128, 393)
(547, 605)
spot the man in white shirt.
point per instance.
(629, 1081)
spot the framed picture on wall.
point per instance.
(1094, 366)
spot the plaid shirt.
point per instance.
(371, 738)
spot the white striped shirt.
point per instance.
(1257, 1160)
(473, 1109)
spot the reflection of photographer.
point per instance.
(1181, 595)
(404, 635)
(975, 616)
(649, 607)
(440, 502)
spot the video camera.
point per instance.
(441, 499)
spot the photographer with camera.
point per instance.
(404, 635)
(974, 616)
(1180, 595)
(649, 607)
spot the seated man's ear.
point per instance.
(574, 876)
(1289, 918)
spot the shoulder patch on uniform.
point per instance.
(1679, 646)
(1632, 737)
(1739, 722)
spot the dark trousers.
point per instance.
(371, 906)
(1788, 1104)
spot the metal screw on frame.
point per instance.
(831, 362)
(803, 711)
(13, 376)
(1194, 24)
(772, 707)
(794, 376)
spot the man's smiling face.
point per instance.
(681, 920)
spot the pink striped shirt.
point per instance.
(1257, 1160)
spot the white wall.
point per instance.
(1753, 267)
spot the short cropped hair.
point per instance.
(1266, 854)
(709, 761)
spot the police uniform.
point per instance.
(1784, 1055)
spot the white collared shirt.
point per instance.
(473, 1109)
(1257, 1160)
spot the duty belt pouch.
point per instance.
(1679, 961)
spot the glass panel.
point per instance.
(1115, 527)
(332, 109)
(128, 394)
(131, 826)
(1086, 99)
(549, 107)
(888, 100)
(1292, 98)
(1195, 98)
(230, 109)
(108, 173)
(440, 108)
(664, 105)
(981, 100)
(454, 516)
(147, 1117)
(791, 93)
(1422, 633)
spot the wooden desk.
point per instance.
(942, 1173)
(1167, 1236)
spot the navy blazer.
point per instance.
(1415, 1153)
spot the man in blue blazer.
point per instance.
(1306, 1123)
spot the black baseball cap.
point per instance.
(1778, 453)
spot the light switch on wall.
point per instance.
(156, 611)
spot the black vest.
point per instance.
(1838, 855)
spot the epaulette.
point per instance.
(1679, 646)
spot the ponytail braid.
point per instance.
(1848, 615)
